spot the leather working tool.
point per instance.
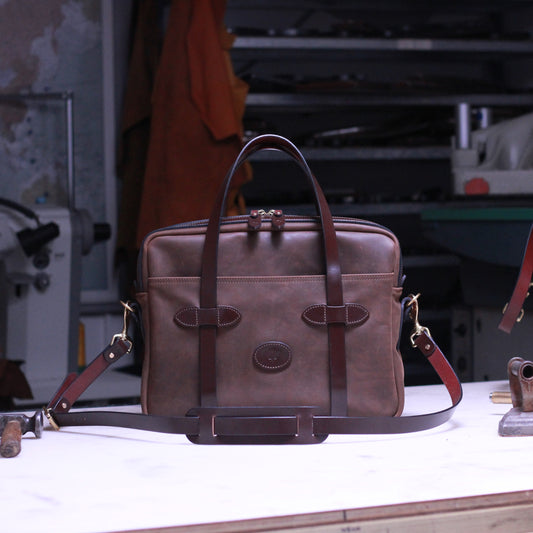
(13, 426)
(519, 420)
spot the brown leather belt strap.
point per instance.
(513, 309)
(240, 425)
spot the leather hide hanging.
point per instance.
(194, 116)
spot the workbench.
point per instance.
(461, 476)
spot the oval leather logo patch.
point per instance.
(272, 356)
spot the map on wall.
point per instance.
(48, 49)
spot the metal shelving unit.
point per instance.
(310, 102)
(244, 44)
(258, 49)
(354, 153)
(290, 70)
(276, 49)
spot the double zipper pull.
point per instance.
(255, 219)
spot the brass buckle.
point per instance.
(50, 417)
(123, 335)
(418, 329)
(521, 314)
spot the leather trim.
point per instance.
(223, 316)
(348, 314)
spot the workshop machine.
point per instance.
(41, 251)
(495, 159)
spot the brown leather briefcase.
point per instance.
(270, 328)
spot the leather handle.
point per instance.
(269, 142)
(210, 253)
(334, 294)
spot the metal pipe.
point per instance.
(69, 119)
(463, 125)
(485, 117)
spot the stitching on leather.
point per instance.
(319, 278)
(230, 322)
(310, 308)
(347, 306)
(196, 310)
(183, 322)
(285, 349)
(347, 278)
(360, 320)
(235, 310)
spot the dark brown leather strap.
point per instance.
(334, 294)
(514, 307)
(272, 425)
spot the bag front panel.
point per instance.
(271, 313)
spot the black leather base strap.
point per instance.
(248, 425)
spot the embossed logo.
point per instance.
(272, 356)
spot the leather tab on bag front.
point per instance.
(348, 314)
(221, 316)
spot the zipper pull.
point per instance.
(256, 216)
(278, 219)
(254, 220)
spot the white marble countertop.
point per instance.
(96, 479)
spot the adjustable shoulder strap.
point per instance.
(208, 425)
(513, 311)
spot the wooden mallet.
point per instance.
(13, 426)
